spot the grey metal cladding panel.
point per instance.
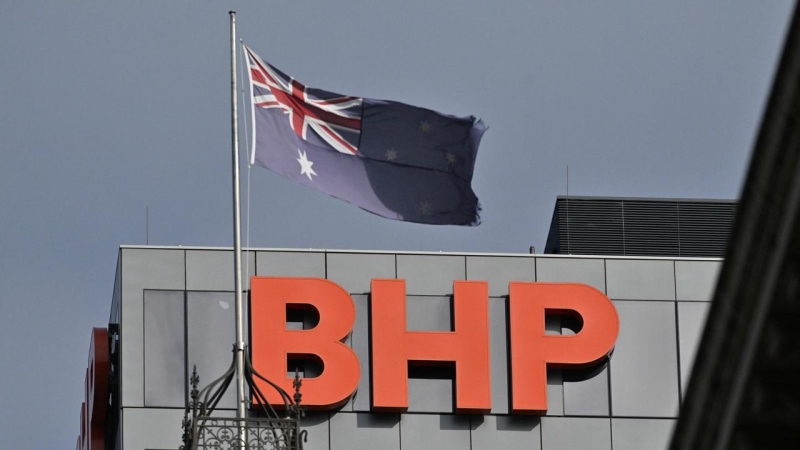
(354, 272)
(563, 433)
(640, 279)
(498, 355)
(499, 270)
(294, 325)
(644, 365)
(555, 379)
(555, 392)
(212, 270)
(430, 395)
(351, 431)
(434, 432)
(318, 426)
(360, 344)
(586, 391)
(142, 269)
(572, 270)
(164, 355)
(290, 264)
(505, 432)
(211, 331)
(696, 280)
(428, 313)
(641, 434)
(691, 322)
(430, 274)
(151, 428)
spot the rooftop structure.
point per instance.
(640, 226)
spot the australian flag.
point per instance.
(395, 160)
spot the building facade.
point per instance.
(173, 309)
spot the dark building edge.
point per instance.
(743, 388)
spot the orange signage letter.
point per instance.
(532, 351)
(393, 347)
(272, 344)
(95, 401)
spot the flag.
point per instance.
(395, 160)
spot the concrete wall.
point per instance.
(177, 310)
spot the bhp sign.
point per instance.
(393, 347)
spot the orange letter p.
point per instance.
(532, 351)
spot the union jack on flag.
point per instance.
(334, 118)
(395, 160)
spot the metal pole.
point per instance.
(237, 238)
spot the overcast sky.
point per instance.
(109, 108)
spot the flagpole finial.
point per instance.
(232, 12)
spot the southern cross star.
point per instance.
(305, 165)
(425, 126)
(425, 208)
(391, 154)
(451, 158)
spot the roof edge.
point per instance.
(403, 252)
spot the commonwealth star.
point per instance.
(305, 165)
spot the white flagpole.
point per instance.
(237, 238)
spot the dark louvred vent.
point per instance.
(640, 227)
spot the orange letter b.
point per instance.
(272, 344)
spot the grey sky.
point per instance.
(107, 108)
